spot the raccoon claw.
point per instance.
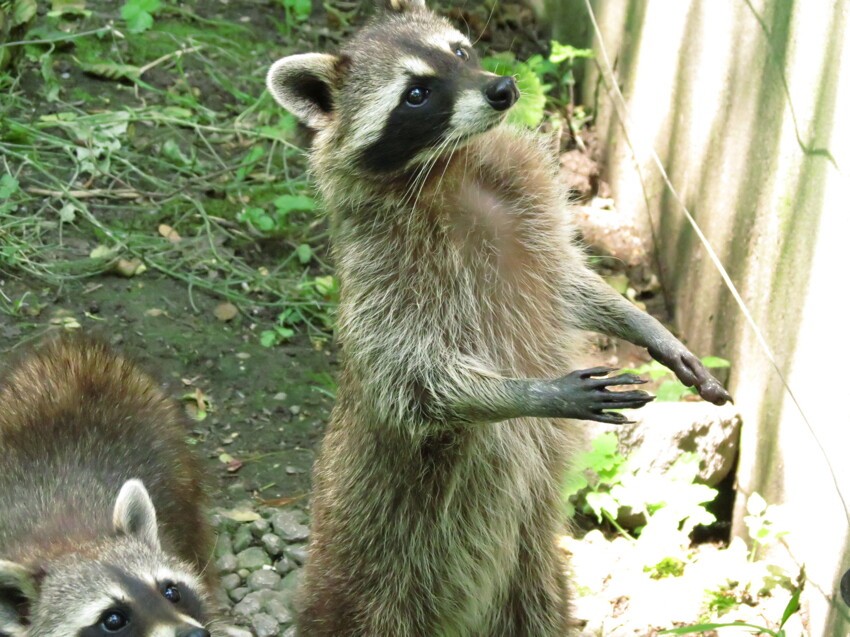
(585, 396)
(690, 370)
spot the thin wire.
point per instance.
(622, 113)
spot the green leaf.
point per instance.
(268, 338)
(715, 362)
(112, 71)
(701, 628)
(139, 14)
(671, 391)
(304, 253)
(22, 12)
(529, 110)
(287, 203)
(602, 502)
(8, 186)
(792, 607)
(563, 52)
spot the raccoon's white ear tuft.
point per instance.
(134, 514)
(304, 85)
(401, 6)
(18, 590)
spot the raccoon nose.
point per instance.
(194, 632)
(502, 93)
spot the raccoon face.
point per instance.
(406, 87)
(124, 586)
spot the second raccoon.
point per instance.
(102, 527)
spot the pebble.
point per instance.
(238, 594)
(259, 527)
(272, 544)
(253, 558)
(226, 563)
(230, 581)
(297, 553)
(242, 539)
(265, 625)
(223, 544)
(262, 579)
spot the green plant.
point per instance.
(277, 221)
(139, 14)
(673, 390)
(603, 482)
(764, 523)
(295, 12)
(540, 79)
(792, 607)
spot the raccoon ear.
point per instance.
(304, 85)
(401, 6)
(18, 590)
(134, 514)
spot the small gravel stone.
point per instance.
(238, 594)
(297, 553)
(289, 632)
(273, 544)
(235, 631)
(251, 604)
(279, 609)
(265, 625)
(226, 563)
(231, 581)
(252, 558)
(263, 579)
(242, 539)
(284, 565)
(243, 573)
(289, 524)
(290, 582)
(223, 544)
(259, 527)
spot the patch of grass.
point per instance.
(106, 135)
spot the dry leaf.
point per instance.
(225, 311)
(169, 233)
(154, 311)
(129, 268)
(281, 502)
(233, 466)
(241, 515)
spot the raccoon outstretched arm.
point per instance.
(601, 309)
(582, 395)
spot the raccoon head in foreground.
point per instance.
(408, 87)
(123, 585)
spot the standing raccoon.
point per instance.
(462, 301)
(102, 530)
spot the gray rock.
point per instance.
(290, 582)
(272, 544)
(252, 558)
(279, 609)
(238, 594)
(263, 579)
(259, 527)
(242, 539)
(243, 573)
(284, 565)
(290, 632)
(265, 625)
(223, 544)
(234, 631)
(297, 553)
(251, 604)
(289, 525)
(663, 430)
(226, 563)
(230, 581)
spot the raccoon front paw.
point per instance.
(690, 370)
(585, 396)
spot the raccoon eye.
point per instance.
(417, 96)
(113, 620)
(171, 593)
(462, 53)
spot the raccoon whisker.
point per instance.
(487, 24)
